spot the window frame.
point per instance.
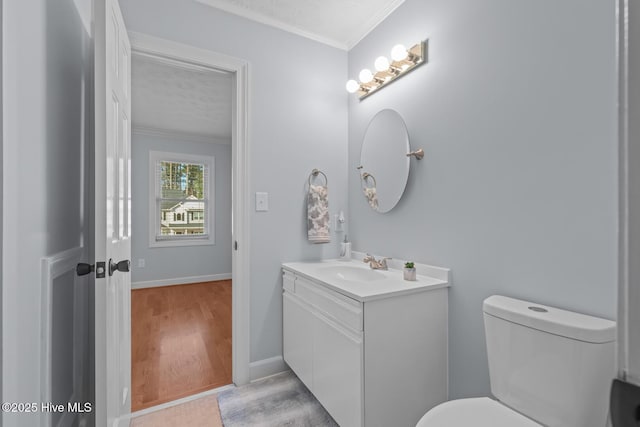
(154, 192)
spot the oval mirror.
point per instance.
(384, 165)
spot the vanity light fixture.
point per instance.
(402, 61)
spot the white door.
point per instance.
(112, 213)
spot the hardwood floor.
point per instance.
(181, 341)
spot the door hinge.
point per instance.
(235, 245)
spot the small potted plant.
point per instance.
(409, 271)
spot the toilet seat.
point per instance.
(477, 412)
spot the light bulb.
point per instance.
(399, 52)
(365, 76)
(352, 86)
(382, 63)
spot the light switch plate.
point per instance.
(262, 202)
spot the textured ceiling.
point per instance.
(180, 99)
(339, 23)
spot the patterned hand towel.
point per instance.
(372, 197)
(318, 214)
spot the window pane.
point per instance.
(182, 198)
(182, 180)
(180, 217)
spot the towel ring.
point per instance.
(314, 173)
(368, 175)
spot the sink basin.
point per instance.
(356, 274)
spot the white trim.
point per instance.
(189, 66)
(51, 268)
(187, 399)
(372, 23)
(154, 194)
(182, 136)
(262, 19)
(180, 281)
(623, 188)
(628, 194)
(267, 367)
(252, 15)
(166, 49)
(2, 141)
(149, 45)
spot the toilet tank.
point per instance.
(554, 366)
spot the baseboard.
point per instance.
(180, 281)
(266, 367)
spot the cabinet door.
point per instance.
(337, 372)
(297, 327)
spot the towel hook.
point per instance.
(314, 173)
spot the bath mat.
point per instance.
(280, 400)
(201, 412)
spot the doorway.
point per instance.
(206, 61)
(180, 341)
(181, 233)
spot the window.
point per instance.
(196, 216)
(180, 199)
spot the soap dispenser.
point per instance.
(345, 249)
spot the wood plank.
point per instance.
(181, 341)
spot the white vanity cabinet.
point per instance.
(322, 347)
(370, 359)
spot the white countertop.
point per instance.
(357, 280)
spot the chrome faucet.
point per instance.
(375, 264)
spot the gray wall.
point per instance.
(47, 83)
(516, 111)
(182, 261)
(297, 122)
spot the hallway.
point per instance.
(181, 341)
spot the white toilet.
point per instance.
(547, 367)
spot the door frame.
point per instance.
(623, 187)
(628, 192)
(161, 48)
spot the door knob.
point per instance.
(83, 268)
(123, 266)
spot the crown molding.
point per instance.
(266, 20)
(372, 23)
(346, 45)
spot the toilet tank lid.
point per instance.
(550, 319)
